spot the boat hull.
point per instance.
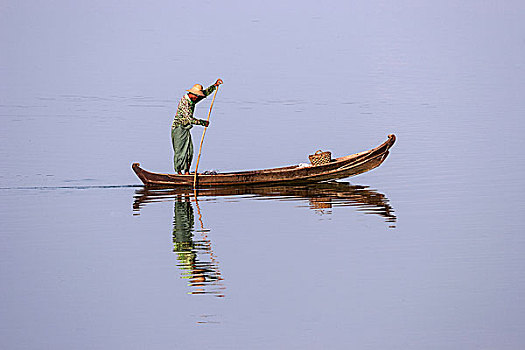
(338, 168)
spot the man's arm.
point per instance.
(209, 90)
(212, 88)
(201, 122)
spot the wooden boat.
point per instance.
(338, 168)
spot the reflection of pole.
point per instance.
(208, 243)
(198, 208)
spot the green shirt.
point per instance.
(185, 109)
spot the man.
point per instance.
(183, 122)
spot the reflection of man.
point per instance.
(201, 274)
(183, 232)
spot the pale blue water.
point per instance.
(89, 88)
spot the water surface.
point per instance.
(426, 251)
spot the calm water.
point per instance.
(425, 252)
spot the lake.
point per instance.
(426, 251)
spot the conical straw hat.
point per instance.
(197, 90)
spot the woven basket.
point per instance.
(320, 157)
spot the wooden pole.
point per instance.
(202, 140)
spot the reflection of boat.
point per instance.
(195, 256)
(338, 168)
(320, 196)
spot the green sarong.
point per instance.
(182, 147)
